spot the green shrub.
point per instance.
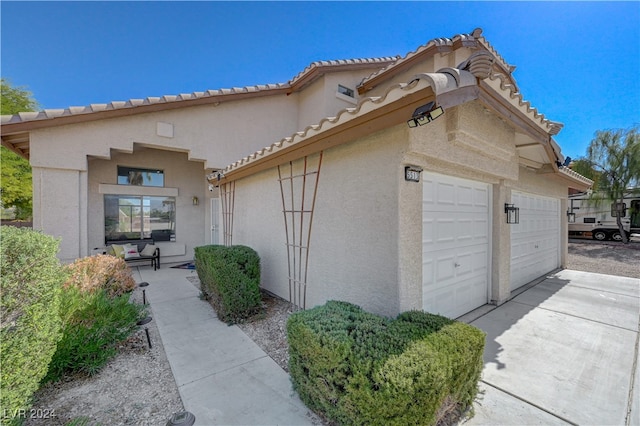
(355, 367)
(93, 325)
(101, 272)
(230, 278)
(30, 325)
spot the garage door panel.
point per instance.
(427, 273)
(465, 230)
(455, 252)
(445, 268)
(446, 231)
(445, 195)
(481, 197)
(465, 195)
(535, 241)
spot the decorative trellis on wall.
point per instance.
(299, 186)
(227, 197)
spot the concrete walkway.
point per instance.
(223, 377)
(564, 351)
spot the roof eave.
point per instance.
(314, 139)
(10, 128)
(317, 70)
(576, 180)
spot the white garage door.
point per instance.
(535, 241)
(455, 245)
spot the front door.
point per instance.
(215, 221)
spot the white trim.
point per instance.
(105, 188)
(349, 99)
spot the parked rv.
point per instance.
(598, 217)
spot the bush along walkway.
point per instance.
(57, 321)
(355, 367)
(223, 376)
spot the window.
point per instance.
(345, 91)
(618, 209)
(140, 177)
(129, 217)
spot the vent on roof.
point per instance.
(346, 91)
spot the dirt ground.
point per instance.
(138, 388)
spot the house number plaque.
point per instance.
(412, 173)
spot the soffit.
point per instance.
(18, 143)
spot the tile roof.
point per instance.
(443, 81)
(309, 73)
(351, 63)
(575, 175)
(442, 45)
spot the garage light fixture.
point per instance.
(571, 217)
(513, 213)
(425, 114)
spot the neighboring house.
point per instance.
(378, 213)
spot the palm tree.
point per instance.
(615, 156)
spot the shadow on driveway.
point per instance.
(564, 351)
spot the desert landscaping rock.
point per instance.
(137, 387)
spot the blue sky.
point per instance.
(577, 62)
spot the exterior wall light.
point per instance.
(513, 213)
(571, 217)
(195, 201)
(425, 114)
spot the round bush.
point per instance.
(94, 273)
(32, 278)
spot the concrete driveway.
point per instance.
(564, 351)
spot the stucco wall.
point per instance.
(213, 135)
(58, 205)
(353, 253)
(180, 173)
(319, 99)
(217, 134)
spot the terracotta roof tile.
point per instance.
(365, 105)
(444, 45)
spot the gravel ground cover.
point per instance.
(611, 258)
(138, 388)
(134, 388)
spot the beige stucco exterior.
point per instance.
(362, 224)
(366, 242)
(71, 161)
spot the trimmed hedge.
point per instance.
(354, 367)
(230, 278)
(32, 279)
